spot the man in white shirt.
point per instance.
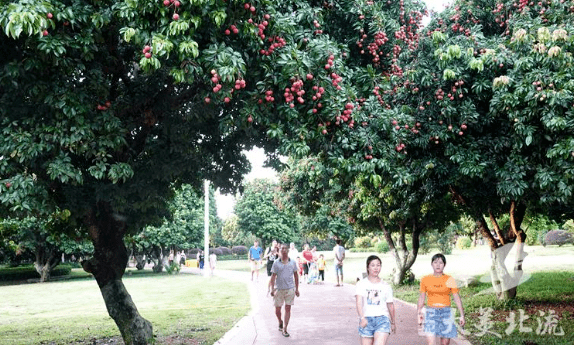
(339, 252)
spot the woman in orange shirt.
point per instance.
(436, 288)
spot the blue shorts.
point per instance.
(375, 324)
(338, 270)
(440, 322)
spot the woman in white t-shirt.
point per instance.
(375, 306)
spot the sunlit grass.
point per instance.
(63, 312)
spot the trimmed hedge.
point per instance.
(558, 237)
(239, 250)
(225, 250)
(217, 251)
(29, 272)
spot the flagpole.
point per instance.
(206, 229)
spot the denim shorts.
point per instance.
(440, 322)
(338, 270)
(375, 324)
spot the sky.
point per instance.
(225, 202)
(256, 156)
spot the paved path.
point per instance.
(322, 315)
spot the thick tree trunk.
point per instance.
(158, 260)
(140, 261)
(108, 266)
(47, 258)
(403, 258)
(503, 282)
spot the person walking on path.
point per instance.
(375, 306)
(271, 254)
(284, 273)
(438, 317)
(254, 258)
(212, 262)
(339, 252)
(307, 262)
(200, 259)
(293, 252)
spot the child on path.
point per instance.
(313, 273)
(375, 306)
(321, 263)
(300, 266)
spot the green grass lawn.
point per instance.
(185, 306)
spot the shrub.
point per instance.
(192, 251)
(382, 247)
(225, 250)
(239, 250)
(217, 251)
(362, 242)
(541, 237)
(463, 242)
(172, 268)
(29, 272)
(558, 237)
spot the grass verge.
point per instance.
(197, 310)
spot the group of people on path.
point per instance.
(285, 266)
(374, 297)
(311, 267)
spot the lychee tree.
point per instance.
(490, 92)
(107, 105)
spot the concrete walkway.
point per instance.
(322, 315)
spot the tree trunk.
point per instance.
(158, 259)
(403, 258)
(108, 266)
(504, 283)
(47, 258)
(140, 262)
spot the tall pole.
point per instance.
(206, 223)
